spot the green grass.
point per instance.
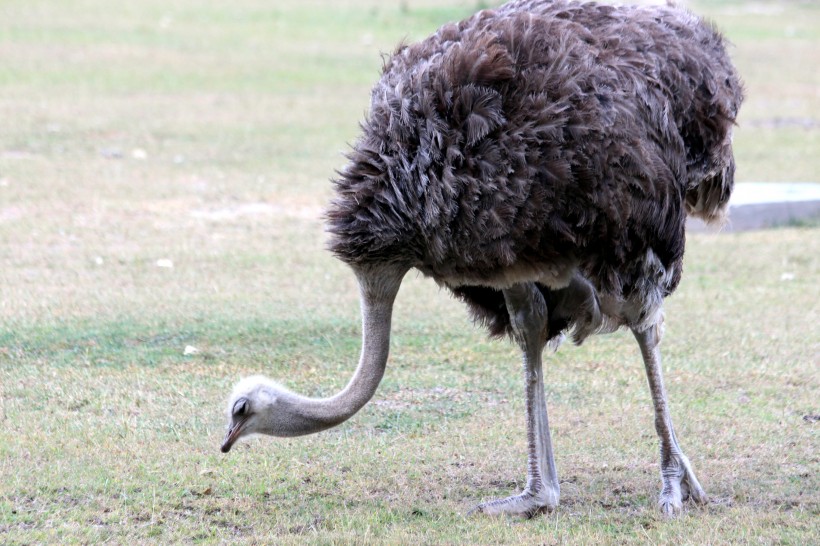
(205, 135)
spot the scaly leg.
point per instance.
(679, 481)
(528, 315)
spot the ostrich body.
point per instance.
(539, 161)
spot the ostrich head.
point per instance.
(252, 408)
(259, 405)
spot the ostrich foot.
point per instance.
(526, 504)
(679, 485)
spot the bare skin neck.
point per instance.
(297, 415)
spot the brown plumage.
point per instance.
(539, 160)
(541, 139)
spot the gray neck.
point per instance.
(377, 289)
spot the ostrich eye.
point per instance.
(241, 407)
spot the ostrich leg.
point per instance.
(528, 315)
(679, 481)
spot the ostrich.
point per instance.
(539, 161)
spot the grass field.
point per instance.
(163, 166)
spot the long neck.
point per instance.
(377, 289)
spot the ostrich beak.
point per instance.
(232, 435)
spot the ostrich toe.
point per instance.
(526, 504)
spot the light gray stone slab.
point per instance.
(761, 205)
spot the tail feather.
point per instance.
(709, 199)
